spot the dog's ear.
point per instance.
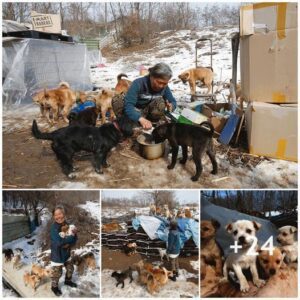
(46, 93)
(104, 92)
(293, 229)
(228, 227)
(256, 225)
(215, 223)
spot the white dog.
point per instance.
(244, 233)
(162, 253)
(289, 246)
(69, 230)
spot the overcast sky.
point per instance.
(183, 196)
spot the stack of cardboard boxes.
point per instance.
(269, 66)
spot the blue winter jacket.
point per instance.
(173, 242)
(58, 253)
(140, 94)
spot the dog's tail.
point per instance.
(210, 126)
(64, 84)
(40, 135)
(121, 75)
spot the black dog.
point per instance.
(98, 140)
(129, 248)
(8, 254)
(87, 116)
(184, 135)
(120, 277)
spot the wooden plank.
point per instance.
(15, 279)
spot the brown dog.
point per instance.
(55, 101)
(40, 272)
(210, 251)
(32, 280)
(103, 102)
(123, 84)
(238, 94)
(111, 227)
(270, 263)
(83, 262)
(206, 75)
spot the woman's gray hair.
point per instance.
(161, 70)
(59, 207)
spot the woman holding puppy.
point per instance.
(173, 249)
(61, 251)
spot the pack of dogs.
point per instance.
(234, 268)
(39, 274)
(153, 277)
(81, 133)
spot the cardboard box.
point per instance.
(269, 63)
(272, 130)
(265, 17)
(46, 22)
(218, 121)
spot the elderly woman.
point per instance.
(147, 97)
(61, 251)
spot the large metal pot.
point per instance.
(149, 149)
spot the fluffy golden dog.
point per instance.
(111, 227)
(103, 102)
(55, 101)
(123, 84)
(40, 272)
(31, 280)
(205, 75)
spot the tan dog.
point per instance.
(103, 102)
(16, 260)
(40, 272)
(206, 75)
(123, 84)
(83, 262)
(289, 245)
(59, 100)
(111, 227)
(187, 213)
(31, 280)
(270, 263)
(211, 253)
(238, 94)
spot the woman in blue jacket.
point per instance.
(173, 248)
(147, 97)
(61, 251)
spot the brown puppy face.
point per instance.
(185, 76)
(270, 263)
(209, 228)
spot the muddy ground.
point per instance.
(116, 260)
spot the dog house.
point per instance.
(31, 64)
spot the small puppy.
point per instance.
(103, 103)
(238, 94)
(17, 261)
(40, 272)
(289, 246)
(120, 277)
(67, 141)
(162, 253)
(130, 248)
(111, 227)
(8, 254)
(84, 261)
(31, 280)
(206, 75)
(184, 135)
(67, 230)
(123, 84)
(244, 233)
(270, 264)
(211, 253)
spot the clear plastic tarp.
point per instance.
(31, 65)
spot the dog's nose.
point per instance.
(272, 271)
(242, 239)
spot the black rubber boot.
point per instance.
(70, 283)
(173, 278)
(56, 291)
(176, 273)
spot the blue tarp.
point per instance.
(188, 228)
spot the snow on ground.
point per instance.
(93, 208)
(180, 288)
(195, 264)
(7, 293)
(116, 212)
(178, 50)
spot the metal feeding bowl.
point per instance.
(148, 149)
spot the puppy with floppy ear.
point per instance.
(103, 103)
(289, 246)
(244, 235)
(211, 253)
